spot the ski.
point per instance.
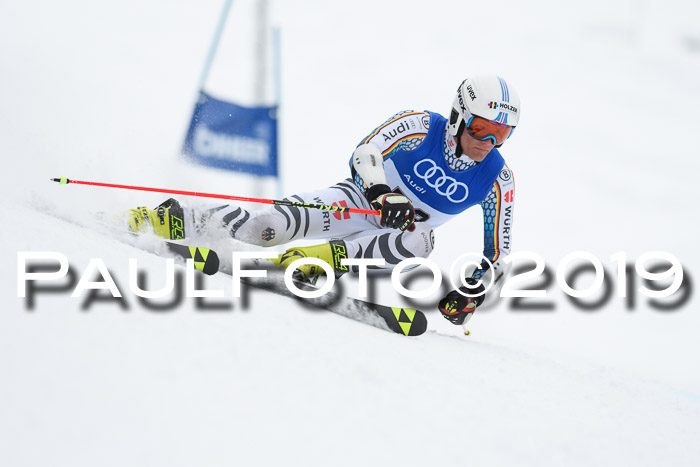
(206, 260)
(403, 321)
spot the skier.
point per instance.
(418, 168)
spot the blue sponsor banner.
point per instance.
(232, 137)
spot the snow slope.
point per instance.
(269, 382)
(104, 92)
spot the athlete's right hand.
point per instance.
(397, 211)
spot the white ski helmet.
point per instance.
(486, 96)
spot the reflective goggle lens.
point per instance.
(482, 129)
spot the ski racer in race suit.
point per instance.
(420, 170)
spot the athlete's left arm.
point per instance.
(498, 223)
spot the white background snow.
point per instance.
(604, 159)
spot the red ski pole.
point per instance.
(278, 202)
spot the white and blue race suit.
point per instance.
(420, 162)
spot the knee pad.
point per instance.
(263, 228)
(420, 242)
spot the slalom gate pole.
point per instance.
(284, 202)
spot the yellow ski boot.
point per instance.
(167, 220)
(332, 253)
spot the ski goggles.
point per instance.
(481, 129)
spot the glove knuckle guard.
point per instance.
(456, 307)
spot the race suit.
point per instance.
(420, 162)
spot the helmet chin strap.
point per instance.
(458, 138)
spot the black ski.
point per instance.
(404, 321)
(205, 259)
